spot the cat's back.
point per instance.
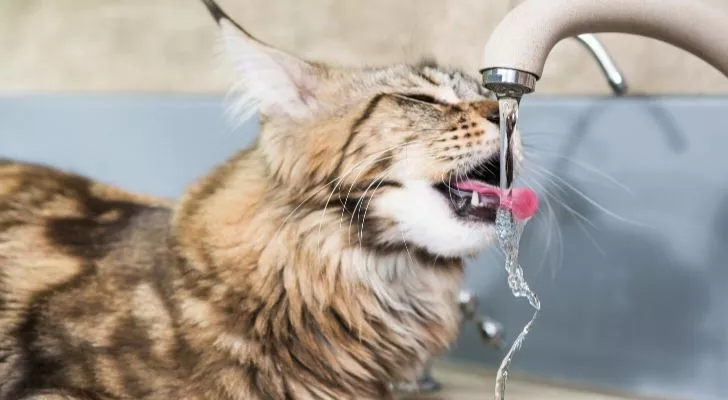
(75, 256)
(33, 192)
(51, 221)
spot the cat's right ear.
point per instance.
(277, 83)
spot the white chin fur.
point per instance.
(425, 219)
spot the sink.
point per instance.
(634, 304)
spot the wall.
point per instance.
(168, 45)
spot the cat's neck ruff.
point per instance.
(301, 281)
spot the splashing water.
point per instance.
(509, 234)
(509, 231)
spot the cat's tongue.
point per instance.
(523, 202)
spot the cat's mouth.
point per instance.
(477, 196)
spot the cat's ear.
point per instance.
(276, 82)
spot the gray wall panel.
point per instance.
(629, 256)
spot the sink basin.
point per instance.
(635, 301)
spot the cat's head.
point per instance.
(383, 147)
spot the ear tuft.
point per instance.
(275, 83)
(278, 83)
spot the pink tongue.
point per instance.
(523, 203)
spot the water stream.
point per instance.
(509, 231)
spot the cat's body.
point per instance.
(85, 277)
(322, 263)
(98, 301)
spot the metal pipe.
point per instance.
(606, 62)
(516, 52)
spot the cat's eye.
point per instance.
(423, 98)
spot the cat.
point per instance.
(323, 262)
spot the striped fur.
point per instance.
(318, 264)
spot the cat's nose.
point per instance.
(488, 109)
(493, 115)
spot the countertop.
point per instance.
(465, 382)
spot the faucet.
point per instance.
(516, 52)
(594, 46)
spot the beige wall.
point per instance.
(169, 45)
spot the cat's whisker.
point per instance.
(376, 158)
(351, 187)
(379, 179)
(554, 226)
(557, 179)
(580, 164)
(551, 222)
(322, 188)
(444, 182)
(562, 202)
(580, 221)
(360, 164)
(406, 247)
(348, 194)
(338, 185)
(582, 227)
(401, 145)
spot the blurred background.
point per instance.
(627, 253)
(169, 45)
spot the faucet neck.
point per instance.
(526, 36)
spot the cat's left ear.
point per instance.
(279, 84)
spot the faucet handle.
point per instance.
(491, 331)
(468, 303)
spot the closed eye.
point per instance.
(423, 98)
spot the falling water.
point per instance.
(509, 231)
(508, 108)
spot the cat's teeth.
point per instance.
(475, 200)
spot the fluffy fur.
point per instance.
(321, 263)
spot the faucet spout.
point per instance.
(516, 52)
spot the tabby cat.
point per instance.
(321, 263)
